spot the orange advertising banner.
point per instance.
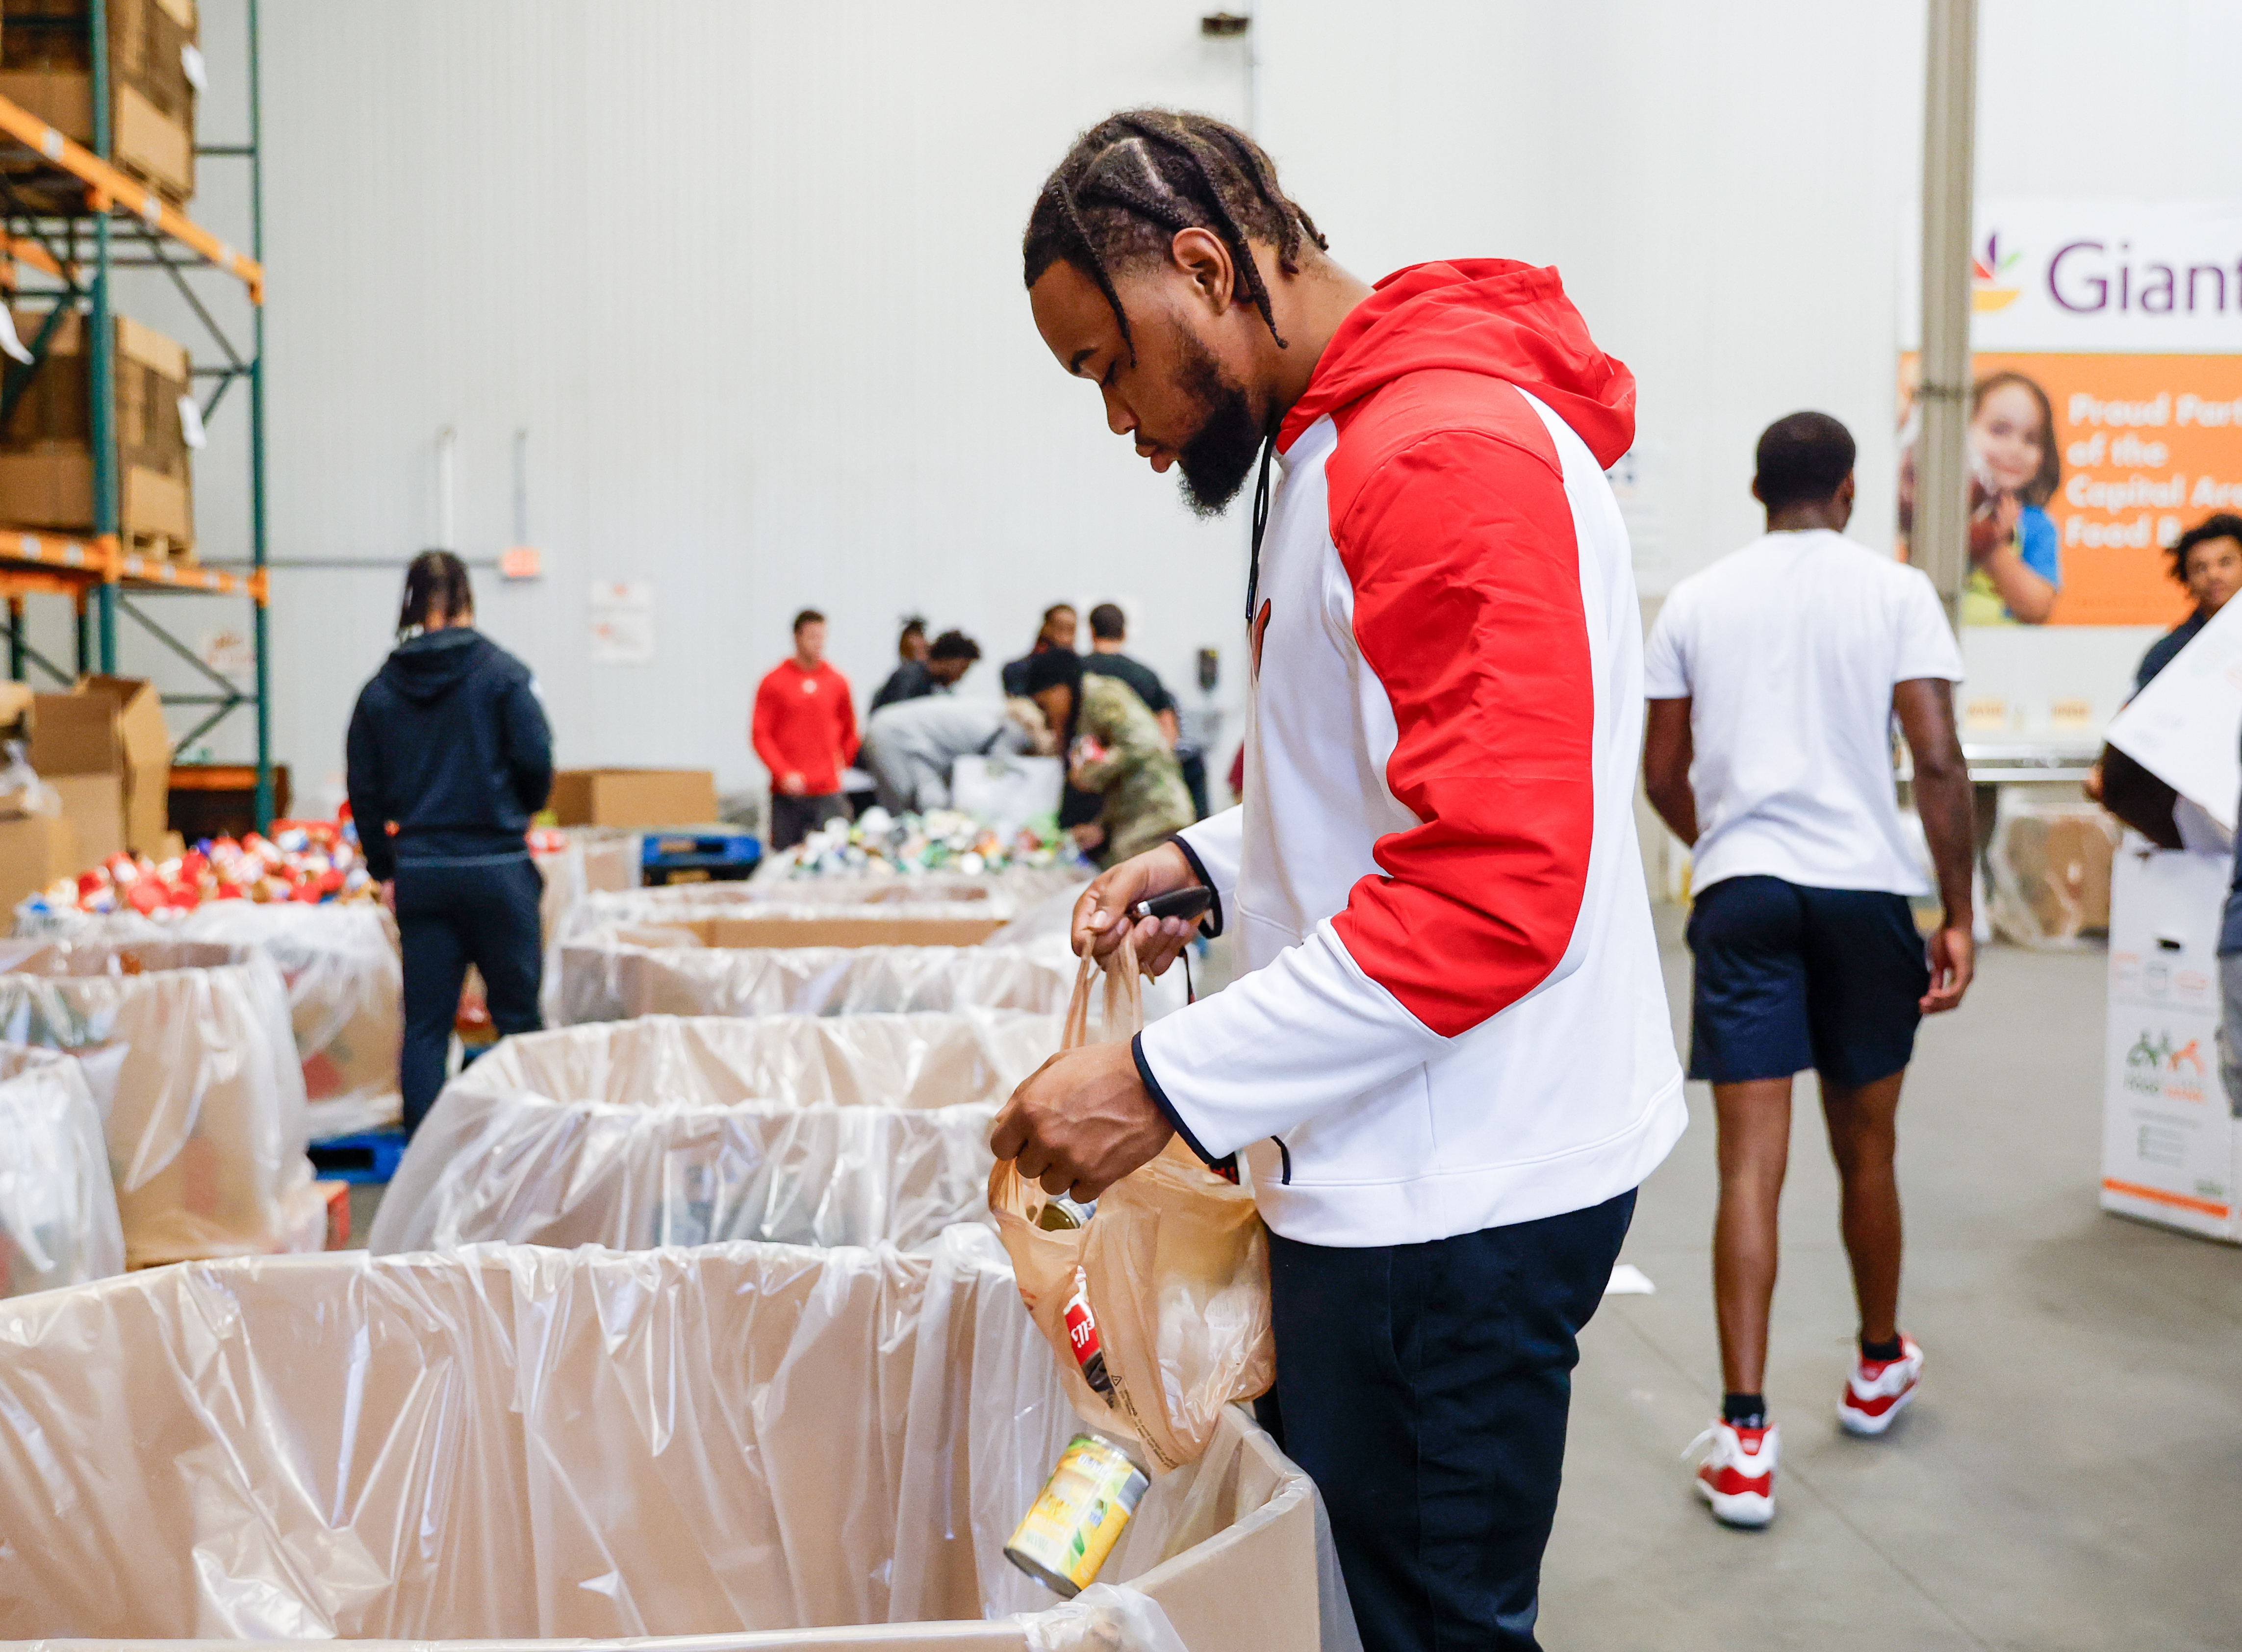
(2116, 454)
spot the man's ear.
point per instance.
(1755, 494)
(1846, 490)
(1201, 255)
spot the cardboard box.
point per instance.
(849, 926)
(634, 796)
(94, 805)
(2172, 1148)
(34, 850)
(110, 726)
(47, 50)
(46, 458)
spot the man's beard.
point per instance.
(1216, 461)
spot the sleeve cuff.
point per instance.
(1210, 925)
(1167, 1108)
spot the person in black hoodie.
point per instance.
(449, 755)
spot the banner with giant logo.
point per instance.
(2106, 404)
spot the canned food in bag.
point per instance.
(1074, 1523)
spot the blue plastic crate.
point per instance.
(370, 1156)
(717, 855)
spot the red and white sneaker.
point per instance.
(1737, 1476)
(1879, 1390)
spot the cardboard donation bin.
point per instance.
(57, 1211)
(522, 1444)
(344, 982)
(109, 730)
(839, 1130)
(614, 974)
(2171, 1144)
(186, 1047)
(634, 796)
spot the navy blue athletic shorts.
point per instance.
(1789, 977)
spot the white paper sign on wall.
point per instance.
(622, 623)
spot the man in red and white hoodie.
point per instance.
(1447, 1063)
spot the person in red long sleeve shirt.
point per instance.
(804, 730)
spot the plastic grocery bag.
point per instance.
(1174, 1269)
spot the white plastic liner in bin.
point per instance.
(588, 859)
(57, 1211)
(345, 988)
(613, 974)
(521, 1443)
(185, 1046)
(841, 1130)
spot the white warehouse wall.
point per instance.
(747, 274)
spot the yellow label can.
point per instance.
(1074, 1523)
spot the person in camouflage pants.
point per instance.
(1114, 749)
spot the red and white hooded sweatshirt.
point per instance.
(1453, 1016)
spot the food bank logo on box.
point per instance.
(2154, 1067)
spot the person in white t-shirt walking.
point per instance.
(1773, 677)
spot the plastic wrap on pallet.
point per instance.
(514, 1442)
(842, 1130)
(614, 974)
(338, 961)
(186, 1047)
(57, 1211)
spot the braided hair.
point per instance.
(1133, 182)
(435, 582)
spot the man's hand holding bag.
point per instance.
(1169, 1282)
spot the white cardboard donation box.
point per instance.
(2171, 1152)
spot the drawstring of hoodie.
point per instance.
(1260, 526)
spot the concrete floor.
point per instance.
(2070, 1475)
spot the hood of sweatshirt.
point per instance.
(426, 667)
(1508, 320)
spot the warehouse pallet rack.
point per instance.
(83, 220)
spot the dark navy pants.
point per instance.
(1425, 1388)
(481, 911)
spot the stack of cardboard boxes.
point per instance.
(46, 446)
(155, 72)
(104, 751)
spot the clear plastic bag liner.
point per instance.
(2049, 864)
(1014, 888)
(522, 1444)
(616, 973)
(589, 859)
(339, 962)
(58, 1221)
(185, 1046)
(843, 1130)
(1105, 1617)
(1174, 1266)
